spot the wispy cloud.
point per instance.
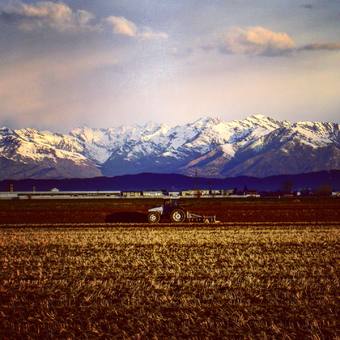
(62, 18)
(261, 41)
(125, 27)
(47, 14)
(255, 41)
(321, 47)
(148, 34)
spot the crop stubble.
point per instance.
(183, 282)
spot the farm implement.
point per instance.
(171, 210)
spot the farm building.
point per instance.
(174, 193)
(227, 192)
(8, 195)
(60, 195)
(216, 193)
(190, 193)
(204, 193)
(131, 194)
(153, 193)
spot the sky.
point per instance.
(65, 64)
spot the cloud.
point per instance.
(148, 34)
(256, 41)
(125, 27)
(62, 18)
(54, 15)
(321, 47)
(261, 41)
(122, 26)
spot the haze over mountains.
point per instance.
(256, 146)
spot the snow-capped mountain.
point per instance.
(257, 146)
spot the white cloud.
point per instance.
(123, 26)
(62, 18)
(255, 41)
(42, 14)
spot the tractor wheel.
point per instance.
(154, 217)
(177, 216)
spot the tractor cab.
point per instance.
(169, 205)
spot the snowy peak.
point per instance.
(210, 144)
(33, 145)
(261, 120)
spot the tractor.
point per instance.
(171, 209)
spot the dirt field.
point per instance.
(252, 282)
(135, 210)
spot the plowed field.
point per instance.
(161, 282)
(135, 210)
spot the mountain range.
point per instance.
(257, 146)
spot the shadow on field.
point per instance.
(126, 217)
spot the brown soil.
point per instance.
(135, 210)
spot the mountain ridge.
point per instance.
(174, 182)
(255, 146)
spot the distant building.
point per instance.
(174, 193)
(8, 195)
(132, 194)
(153, 193)
(204, 192)
(228, 192)
(189, 193)
(250, 193)
(216, 192)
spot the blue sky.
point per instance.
(106, 63)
